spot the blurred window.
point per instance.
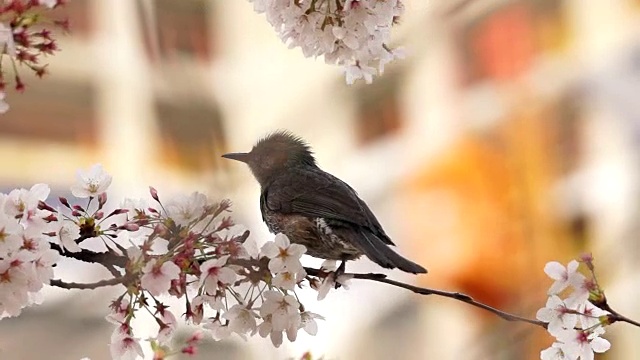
(502, 43)
(176, 29)
(52, 110)
(191, 134)
(378, 112)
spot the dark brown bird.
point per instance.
(313, 207)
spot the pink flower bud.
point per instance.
(64, 202)
(44, 206)
(587, 259)
(102, 199)
(130, 226)
(154, 193)
(50, 218)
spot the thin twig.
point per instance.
(426, 291)
(102, 283)
(614, 317)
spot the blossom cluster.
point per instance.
(577, 319)
(26, 258)
(351, 33)
(33, 234)
(186, 248)
(25, 37)
(228, 285)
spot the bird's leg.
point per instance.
(341, 269)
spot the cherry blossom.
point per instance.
(91, 183)
(125, 347)
(349, 33)
(44, 265)
(9, 234)
(284, 255)
(266, 328)
(185, 209)
(241, 319)
(590, 315)
(330, 281)
(217, 330)
(288, 280)
(167, 327)
(557, 314)
(282, 308)
(554, 352)
(308, 322)
(215, 272)
(563, 276)
(66, 233)
(157, 276)
(581, 344)
(119, 313)
(24, 203)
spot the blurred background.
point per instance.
(509, 137)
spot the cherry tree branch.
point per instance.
(107, 259)
(102, 283)
(427, 291)
(616, 317)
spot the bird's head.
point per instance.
(274, 154)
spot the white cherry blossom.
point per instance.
(284, 255)
(66, 233)
(217, 330)
(350, 33)
(554, 352)
(281, 307)
(330, 281)
(23, 203)
(157, 277)
(308, 322)
(185, 209)
(564, 277)
(214, 272)
(288, 280)
(241, 319)
(125, 347)
(557, 314)
(91, 183)
(579, 344)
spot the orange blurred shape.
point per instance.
(504, 42)
(480, 216)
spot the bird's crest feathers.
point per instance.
(285, 142)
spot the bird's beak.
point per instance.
(243, 157)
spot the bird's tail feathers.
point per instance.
(383, 255)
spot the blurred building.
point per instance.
(507, 139)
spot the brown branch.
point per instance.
(102, 283)
(614, 316)
(426, 291)
(107, 259)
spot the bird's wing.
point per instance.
(315, 193)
